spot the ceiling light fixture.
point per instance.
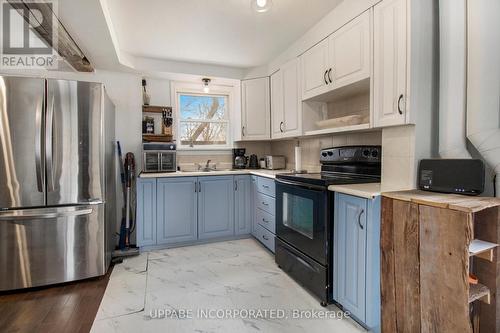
(261, 6)
(206, 82)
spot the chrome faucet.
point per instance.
(207, 167)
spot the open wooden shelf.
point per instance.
(156, 137)
(479, 292)
(338, 129)
(155, 109)
(482, 249)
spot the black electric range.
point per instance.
(304, 214)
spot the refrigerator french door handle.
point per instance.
(40, 179)
(31, 214)
(48, 146)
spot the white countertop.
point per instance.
(259, 172)
(368, 191)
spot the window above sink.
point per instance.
(204, 120)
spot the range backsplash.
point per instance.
(310, 149)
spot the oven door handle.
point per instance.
(302, 185)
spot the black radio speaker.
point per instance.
(460, 176)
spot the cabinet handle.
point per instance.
(324, 76)
(195, 187)
(359, 218)
(265, 238)
(281, 127)
(265, 186)
(399, 104)
(199, 187)
(265, 203)
(264, 220)
(329, 75)
(243, 131)
(236, 185)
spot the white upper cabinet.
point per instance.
(340, 60)
(277, 104)
(286, 103)
(315, 66)
(390, 56)
(255, 109)
(350, 52)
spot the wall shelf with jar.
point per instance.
(157, 122)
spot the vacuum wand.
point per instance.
(129, 179)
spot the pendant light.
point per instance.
(261, 6)
(206, 82)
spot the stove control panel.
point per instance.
(350, 154)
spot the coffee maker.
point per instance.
(239, 159)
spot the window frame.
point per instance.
(180, 88)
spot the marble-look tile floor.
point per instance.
(215, 277)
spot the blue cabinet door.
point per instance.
(215, 207)
(177, 210)
(146, 212)
(350, 253)
(254, 206)
(243, 205)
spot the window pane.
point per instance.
(206, 107)
(206, 133)
(298, 214)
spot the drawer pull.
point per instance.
(265, 186)
(264, 220)
(265, 238)
(265, 203)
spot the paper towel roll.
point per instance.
(298, 158)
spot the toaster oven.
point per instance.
(159, 157)
(274, 162)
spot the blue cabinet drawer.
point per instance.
(265, 237)
(266, 203)
(266, 186)
(266, 220)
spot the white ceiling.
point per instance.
(221, 32)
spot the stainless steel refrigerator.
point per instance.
(57, 176)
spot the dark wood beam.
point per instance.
(61, 40)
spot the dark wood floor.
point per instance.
(68, 307)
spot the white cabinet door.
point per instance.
(350, 52)
(256, 116)
(315, 67)
(286, 102)
(277, 113)
(292, 102)
(389, 78)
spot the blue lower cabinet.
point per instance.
(243, 205)
(177, 210)
(254, 193)
(146, 212)
(215, 207)
(356, 259)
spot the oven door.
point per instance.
(301, 218)
(151, 162)
(168, 161)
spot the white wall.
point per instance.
(159, 90)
